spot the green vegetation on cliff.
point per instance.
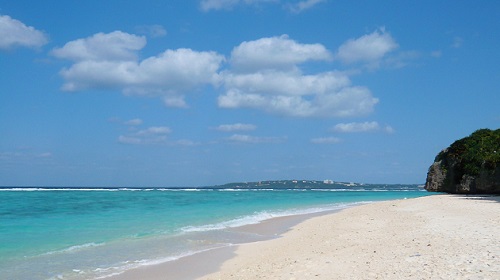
(478, 152)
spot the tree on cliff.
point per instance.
(469, 165)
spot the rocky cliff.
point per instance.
(469, 166)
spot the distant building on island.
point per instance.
(328, 182)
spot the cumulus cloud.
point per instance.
(110, 61)
(14, 33)
(275, 53)
(266, 74)
(369, 48)
(173, 71)
(303, 5)
(361, 127)
(236, 127)
(348, 102)
(150, 135)
(114, 46)
(286, 83)
(326, 140)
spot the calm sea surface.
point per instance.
(55, 233)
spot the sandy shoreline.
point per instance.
(434, 237)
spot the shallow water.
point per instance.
(89, 233)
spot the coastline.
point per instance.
(203, 263)
(439, 236)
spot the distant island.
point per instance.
(313, 184)
(470, 165)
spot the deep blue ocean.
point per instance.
(78, 233)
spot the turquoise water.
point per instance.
(90, 233)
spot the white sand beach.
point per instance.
(434, 237)
(437, 237)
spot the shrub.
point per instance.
(479, 151)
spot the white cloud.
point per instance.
(368, 48)
(326, 140)
(153, 31)
(356, 127)
(235, 99)
(303, 5)
(154, 135)
(114, 46)
(175, 101)
(14, 33)
(207, 5)
(109, 61)
(241, 138)
(398, 60)
(286, 83)
(181, 68)
(275, 53)
(154, 130)
(173, 71)
(129, 140)
(92, 74)
(389, 129)
(25, 154)
(361, 127)
(217, 5)
(150, 135)
(134, 122)
(236, 127)
(266, 75)
(348, 102)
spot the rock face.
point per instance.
(469, 166)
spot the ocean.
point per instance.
(91, 233)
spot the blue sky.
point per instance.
(194, 93)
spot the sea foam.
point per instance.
(266, 215)
(74, 248)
